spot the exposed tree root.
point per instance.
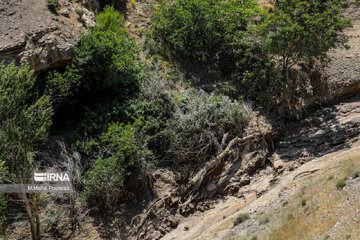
(210, 167)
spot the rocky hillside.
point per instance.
(262, 178)
(324, 144)
(31, 32)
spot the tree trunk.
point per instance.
(37, 216)
(31, 220)
(35, 231)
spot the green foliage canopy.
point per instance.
(203, 29)
(24, 119)
(303, 31)
(121, 164)
(105, 61)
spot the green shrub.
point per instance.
(52, 4)
(121, 165)
(264, 220)
(79, 11)
(105, 60)
(108, 63)
(256, 73)
(157, 112)
(355, 173)
(104, 72)
(218, 32)
(201, 122)
(61, 86)
(341, 183)
(202, 29)
(241, 218)
(110, 20)
(88, 146)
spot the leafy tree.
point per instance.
(121, 164)
(303, 31)
(296, 32)
(203, 29)
(24, 124)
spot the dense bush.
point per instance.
(157, 112)
(303, 31)
(241, 218)
(203, 29)
(108, 63)
(104, 66)
(123, 163)
(201, 122)
(61, 86)
(110, 20)
(256, 73)
(259, 48)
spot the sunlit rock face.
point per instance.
(31, 32)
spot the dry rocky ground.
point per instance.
(326, 137)
(31, 33)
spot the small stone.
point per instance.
(174, 201)
(200, 208)
(65, 13)
(211, 187)
(173, 221)
(355, 120)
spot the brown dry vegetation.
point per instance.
(318, 206)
